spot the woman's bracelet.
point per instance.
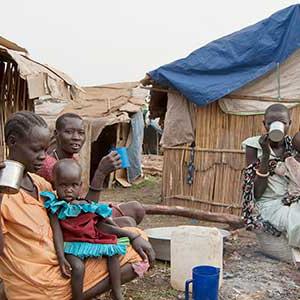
(95, 189)
(262, 174)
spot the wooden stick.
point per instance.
(206, 149)
(8, 89)
(181, 167)
(233, 221)
(159, 90)
(3, 81)
(12, 87)
(18, 86)
(261, 98)
(25, 96)
(3, 95)
(232, 96)
(190, 198)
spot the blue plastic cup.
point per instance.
(205, 283)
(122, 151)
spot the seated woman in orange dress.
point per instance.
(29, 266)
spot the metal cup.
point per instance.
(276, 132)
(11, 177)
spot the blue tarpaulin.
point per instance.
(231, 62)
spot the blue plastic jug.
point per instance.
(205, 283)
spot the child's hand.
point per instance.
(144, 249)
(111, 222)
(65, 268)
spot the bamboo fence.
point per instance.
(219, 161)
(217, 130)
(13, 95)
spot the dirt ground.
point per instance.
(247, 273)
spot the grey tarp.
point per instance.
(135, 147)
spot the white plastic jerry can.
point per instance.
(193, 246)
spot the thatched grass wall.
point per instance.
(219, 161)
(13, 95)
(217, 130)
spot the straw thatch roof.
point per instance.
(106, 99)
(42, 80)
(100, 105)
(100, 101)
(11, 45)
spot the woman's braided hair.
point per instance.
(21, 123)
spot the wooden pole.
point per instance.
(261, 98)
(233, 221)
(211, 150)
(162, 90)
(194, 199)
(232, 96)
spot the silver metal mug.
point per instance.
(11, 177)
(276, 132)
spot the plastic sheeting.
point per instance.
(179, 124)
(267, 86)
(135, 148)
(233, 61)
(43, 80)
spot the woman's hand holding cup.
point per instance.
(110, 163)
(265, 144)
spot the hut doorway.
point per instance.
(115, 135)
(101, 147)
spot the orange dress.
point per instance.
(29, 265)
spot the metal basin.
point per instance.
(160, 239)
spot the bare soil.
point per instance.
(247, 273)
